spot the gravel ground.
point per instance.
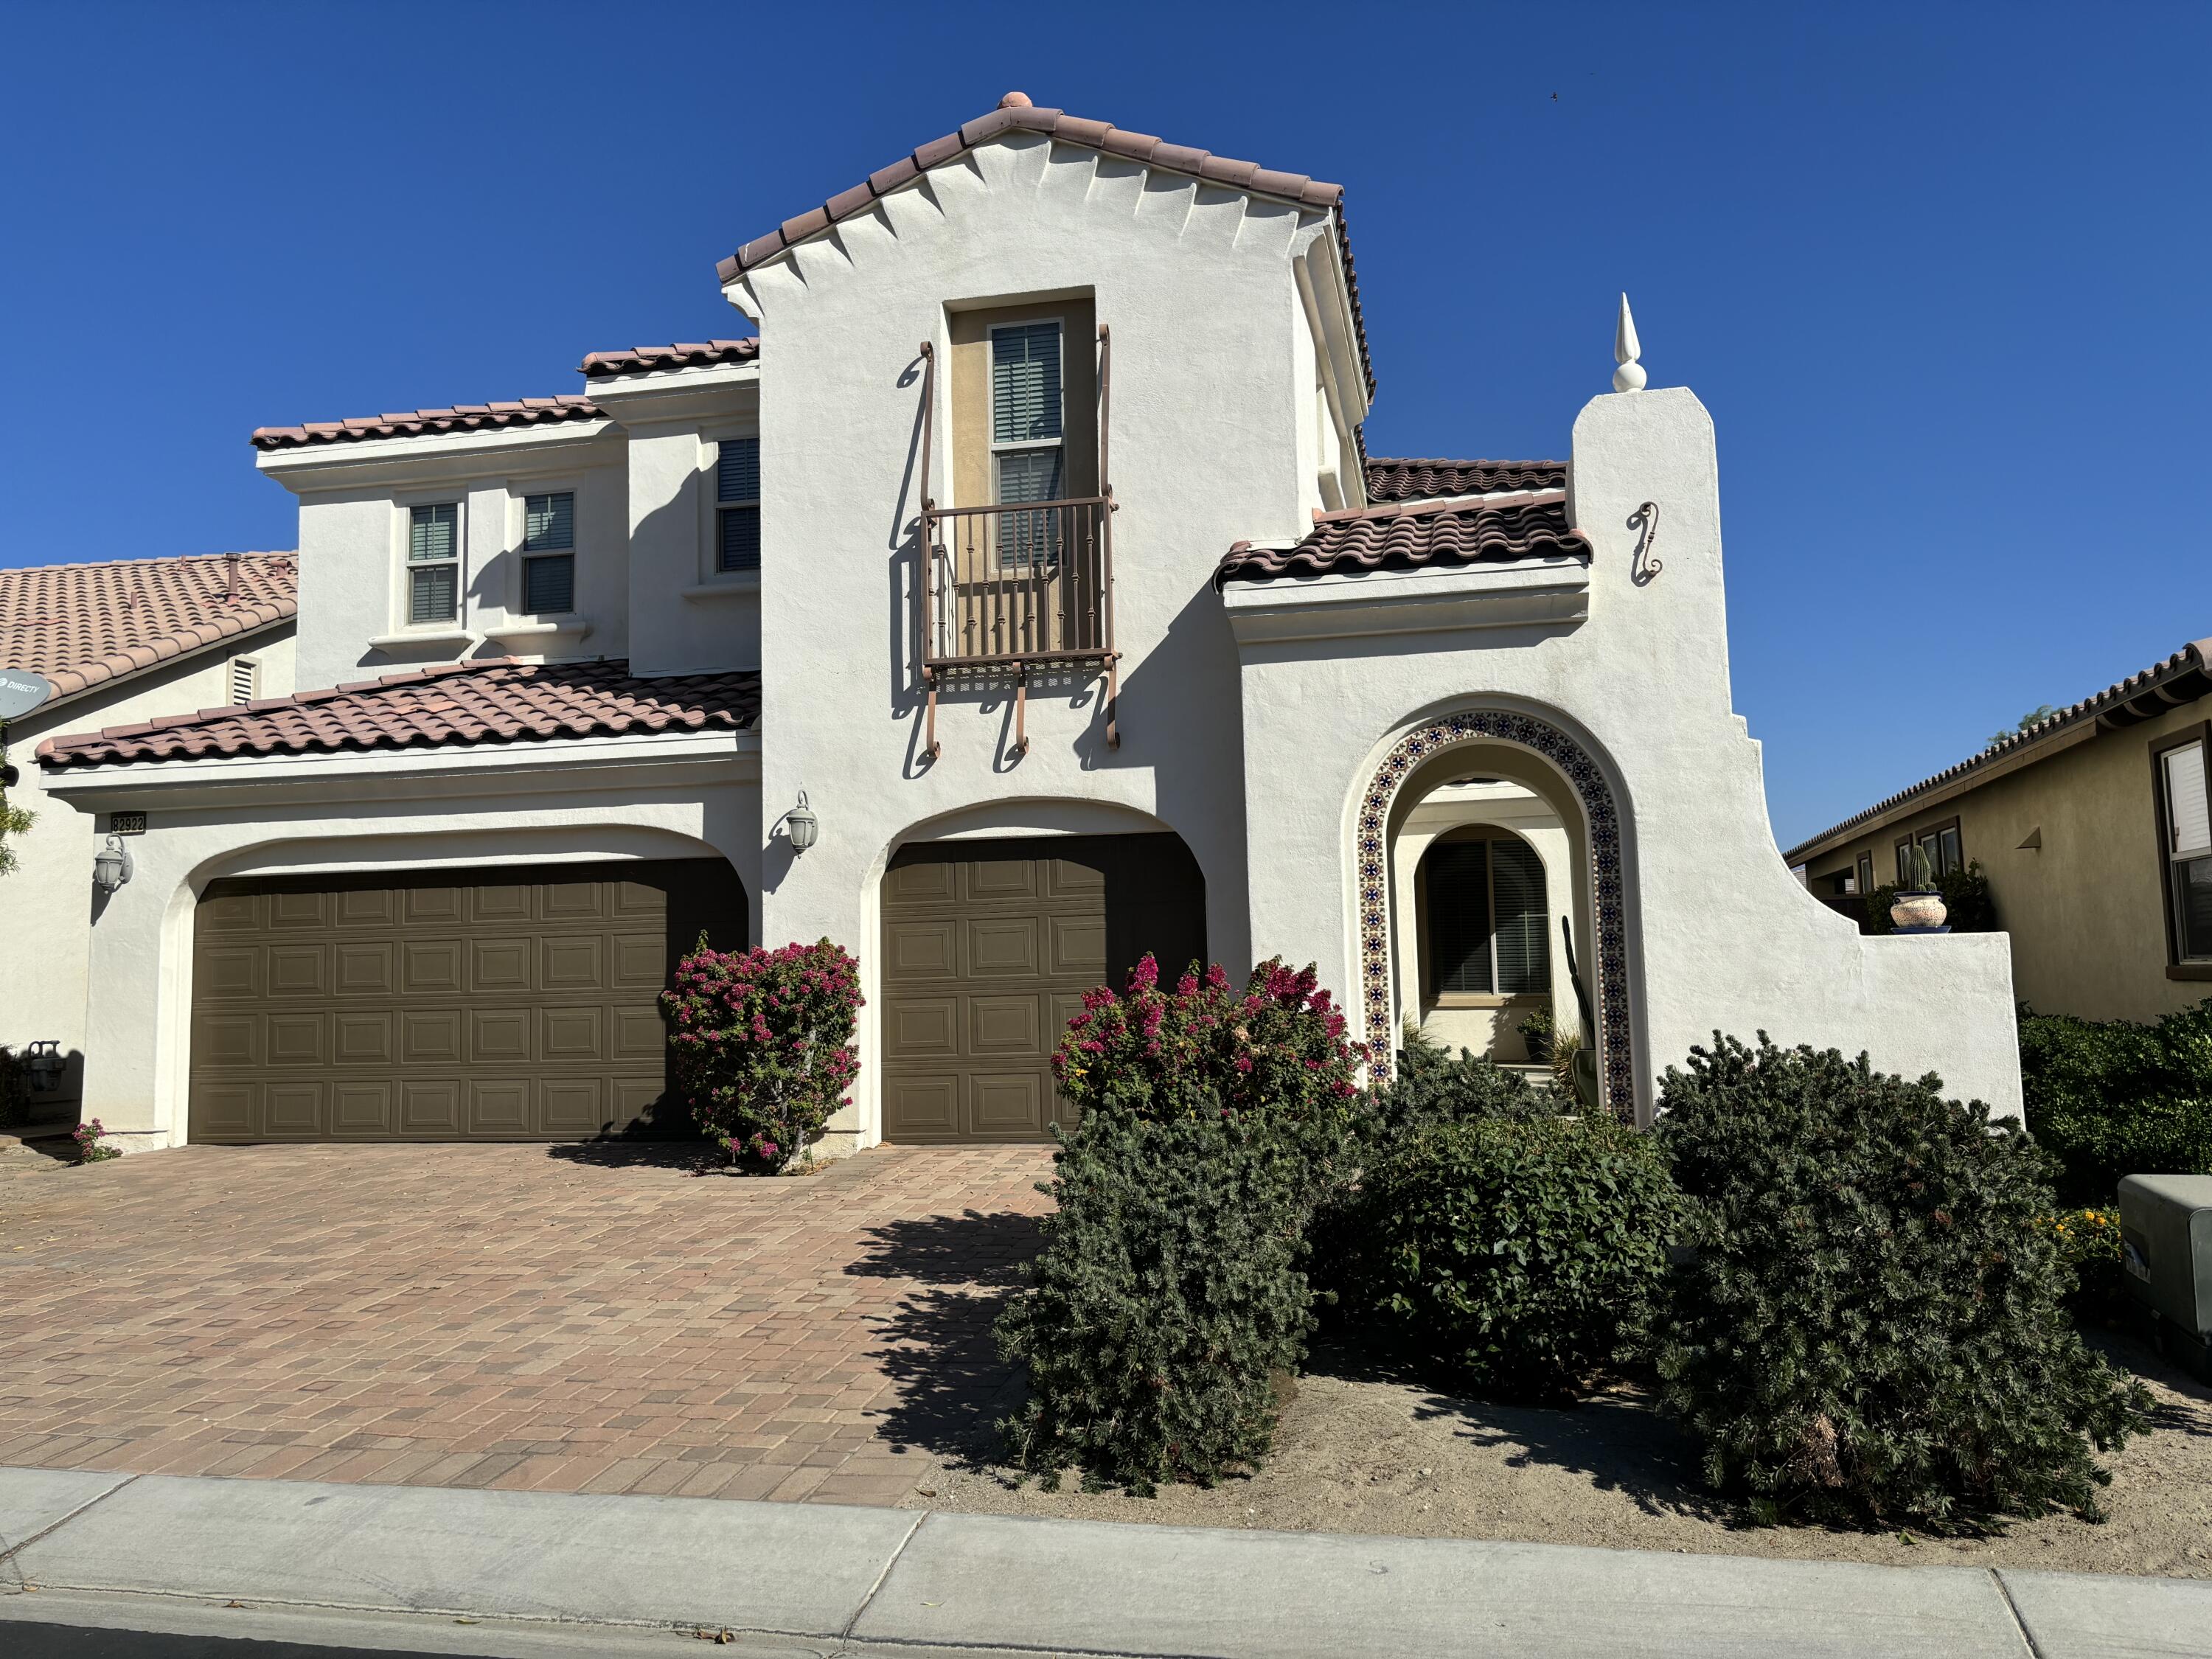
(1362, 1454)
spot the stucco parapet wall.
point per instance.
(1434, 599)
(2183, 677)
(1016, 115)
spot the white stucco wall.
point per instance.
(1209, 424)
(354, 502)
(665, 796)
(47, 903)
(1721, 935)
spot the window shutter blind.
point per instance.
(431, 595)
(741, 539)
(430, 531)
(736, 472)
(1025, 383)
(549, 584)
(548, 521)
(2188, 823)
(1030, 475)
(1459, 915)
(1524, 960)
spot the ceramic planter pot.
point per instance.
(1918, 912)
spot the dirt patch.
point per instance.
(1367, 1454)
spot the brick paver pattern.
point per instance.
(559, 1320)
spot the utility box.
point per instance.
(2166, 1244)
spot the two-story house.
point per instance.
(1030, 559)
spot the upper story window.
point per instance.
(1029, 432)
(1865, 873)
(736, 505)
(2188, 828)
(1945, 852)
(1488, 918)
(549, 554)
(434, 562)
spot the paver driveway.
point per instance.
(562, 1319)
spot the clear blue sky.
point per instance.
(1939, 271)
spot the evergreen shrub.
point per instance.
(1505, 1250)
(1871, 1327)
(1431, 1084)
(760, 1046)
(2108, 1098)
(1166, 1301)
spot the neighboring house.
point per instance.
(1031, 547)
(121, 642)
(2091, 828)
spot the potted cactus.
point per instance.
(1918, 907)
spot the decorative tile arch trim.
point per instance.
(1617, 1070)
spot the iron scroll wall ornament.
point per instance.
(1617, 1062)
(1646, 520)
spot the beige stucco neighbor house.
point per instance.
(118, 642)
(1032, 544)
(2091, 828)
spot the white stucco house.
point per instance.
(1033, 544)
(114, 643)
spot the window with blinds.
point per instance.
(1489, 923)
(736, 505)
(434, 562)
(2189, 850)
(1028, 424)
(549, 554)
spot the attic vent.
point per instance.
(245, 680)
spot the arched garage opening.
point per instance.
(988, 947)
(513, 1002)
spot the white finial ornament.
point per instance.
(1629, 377)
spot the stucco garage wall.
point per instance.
(1197, 287)
(573, 801)
(48, 902)
(1722, 935)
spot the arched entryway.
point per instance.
(1601, 940)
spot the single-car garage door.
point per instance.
(511, 1004)
(988, 946)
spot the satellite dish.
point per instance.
(21, 691)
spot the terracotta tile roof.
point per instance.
(1016, 114)
(1415, 535)
(408, 423)
(2182, 677)
(646, 360)
(82, 625)
(1395, 478)
(496, 700)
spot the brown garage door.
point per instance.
(988, 947)
(469, 1005)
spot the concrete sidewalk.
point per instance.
(851, 1579)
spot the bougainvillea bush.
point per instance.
(92, 1145)
(1276, 1049)
(1872, 1329)
(761, 1045)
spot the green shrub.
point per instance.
(1431, 1084)
(1165, 1301)
(1506, 1251)
(1967, 906)
(2088, 1242)
(2107, 1099)
(1871, 1328)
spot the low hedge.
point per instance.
(1165, 1302)
(2108, 1098)
(1506, 1251)
(1872, 1327)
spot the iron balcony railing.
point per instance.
(1018, 587)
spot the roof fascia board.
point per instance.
(1333, 325)
(358, 455)
(678, 394)
(1528, 592)
(378, 773)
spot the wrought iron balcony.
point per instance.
(1016, 588)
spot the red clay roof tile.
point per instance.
(464, 417)
(646, 360)
(1396, 478)
(82, 625)
(498, 700)
(1416, 535)
(1074, 130)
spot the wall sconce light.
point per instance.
(801, 825)
(112, 866)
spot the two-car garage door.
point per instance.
(512, 1004)
(988, 947)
